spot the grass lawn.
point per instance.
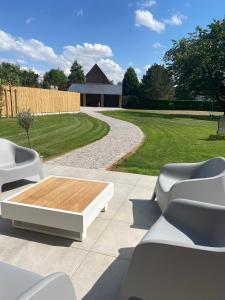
(169, 138)
(52, 135)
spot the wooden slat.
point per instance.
(62, 193)
(41, 100)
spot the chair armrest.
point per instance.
(56, 286)
(183, 170)
(209, 190)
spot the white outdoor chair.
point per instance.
(204, 181)
(17, 162)
(19, 284)
(181, 257)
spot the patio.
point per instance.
(97, 265)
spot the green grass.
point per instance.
(169, 138)
(53, 135)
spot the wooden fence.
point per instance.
(38, 101)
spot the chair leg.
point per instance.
(153, 196)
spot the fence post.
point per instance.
(16, 107)
(6, 103)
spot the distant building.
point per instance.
(98, 90)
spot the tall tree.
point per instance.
(29, 78)
(10, 74)
(197, 62)
(56, 78)
(130, 83)
(76, 74)
(157, 84)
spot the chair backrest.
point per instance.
(203, 223)
(6, 153)
(210, 168)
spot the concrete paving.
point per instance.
(98, 264)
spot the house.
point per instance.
(98, 90)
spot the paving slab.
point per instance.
(99, 277)
(98, 264)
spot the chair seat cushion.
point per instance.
(15, 281)
(164, 231)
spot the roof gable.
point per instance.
(96, 75)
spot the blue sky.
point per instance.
(115, 34)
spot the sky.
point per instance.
(41, 35)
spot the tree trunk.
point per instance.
(28, 137)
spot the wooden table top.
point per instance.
(61, 193)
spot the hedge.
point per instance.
(135, 102)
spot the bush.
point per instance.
(134, 102)
(25, 120)
(131, 102)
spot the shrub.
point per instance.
(25, 120)
(134, 102)
(131, 102)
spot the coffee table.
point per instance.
(57, 205)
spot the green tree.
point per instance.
(197, 62)
(130, 83)
(56, 78)
(29, 78)
(10, 74)
(25, 119)
(157, 84)
(76, 74)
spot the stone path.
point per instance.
(122, 138)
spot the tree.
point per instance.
(197, 62)
(157, 84)
(29, 78)
(10, 74)
(56, 78)
(130, 83)
(25, 120)
(76, 74)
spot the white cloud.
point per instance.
(87, 55)
(138, 71)
(146, 67)
(157, 45)
(176, 19)
(147, 3)
(145, 18)
(112, 70)
(80, 13)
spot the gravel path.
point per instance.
(122, 138)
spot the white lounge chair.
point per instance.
(181, 257)
(19, 284)
(17, 162)
(204, 181)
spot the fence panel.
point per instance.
(39, 100)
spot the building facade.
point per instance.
(98, 90)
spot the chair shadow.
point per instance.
(16, 184)
(109, 283)
(145, 212)
(108, 286)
